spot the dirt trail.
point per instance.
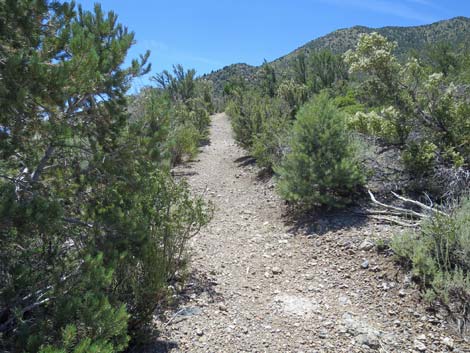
(261, 286)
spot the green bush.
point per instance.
(247, 117)
(271, 143)
(199, 116)
(420, 113)
(439, 255)
(322, 167)
(261, 125)
(183, 141)
(92, 224)
(348, 102)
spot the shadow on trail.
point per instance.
(196, 284)
(155, 346)
(317, 223)
(245, 161)
(178, 174)
(205, 142)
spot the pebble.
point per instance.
(268, 274)
(365, 264)
(366, 245)
(448, 342)
(308, 277)
(420, 346)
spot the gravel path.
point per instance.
(262, 285)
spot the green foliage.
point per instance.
(183, 142)
(180, 85)
(243, 73)
(322, 167)
(186, 104)
(300, 69)
(441, 57)
(268, 79)
(261, 124)
(422, 113)
(348, 103)
(420, 157)
(295, 65)
(439, 255)
(295, 95)
(247, 115)
(270, 144)
(93, 225)
(318, 70)
(326, 69)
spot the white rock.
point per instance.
(449, 342)
(366, 245)
(420, 346)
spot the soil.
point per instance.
(261, 282)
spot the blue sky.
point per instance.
(209, 34)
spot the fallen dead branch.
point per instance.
(400, 215)
(422, 205)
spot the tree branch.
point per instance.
(401, 210)
(422, 205)
(42, 164)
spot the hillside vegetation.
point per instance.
(454, 31)
(93, 227)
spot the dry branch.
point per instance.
(422, 205)
(394, 214)
(402, 211)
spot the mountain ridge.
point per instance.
(455, 30)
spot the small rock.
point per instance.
(343, 300)
(369, 339)
(448, 342)
(222, 307)
(402, 293)
(323, 334)
(311, 288)
(365, 264)
(366, 245)
(199, 332)
(268, 274)
(276, 270)
(420, 346)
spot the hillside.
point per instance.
(222, 76)
(455, 31)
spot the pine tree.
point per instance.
(92, 225)
(322, 166)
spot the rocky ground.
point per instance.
(261, 283)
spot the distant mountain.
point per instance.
(455, 31)
(222, 76)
